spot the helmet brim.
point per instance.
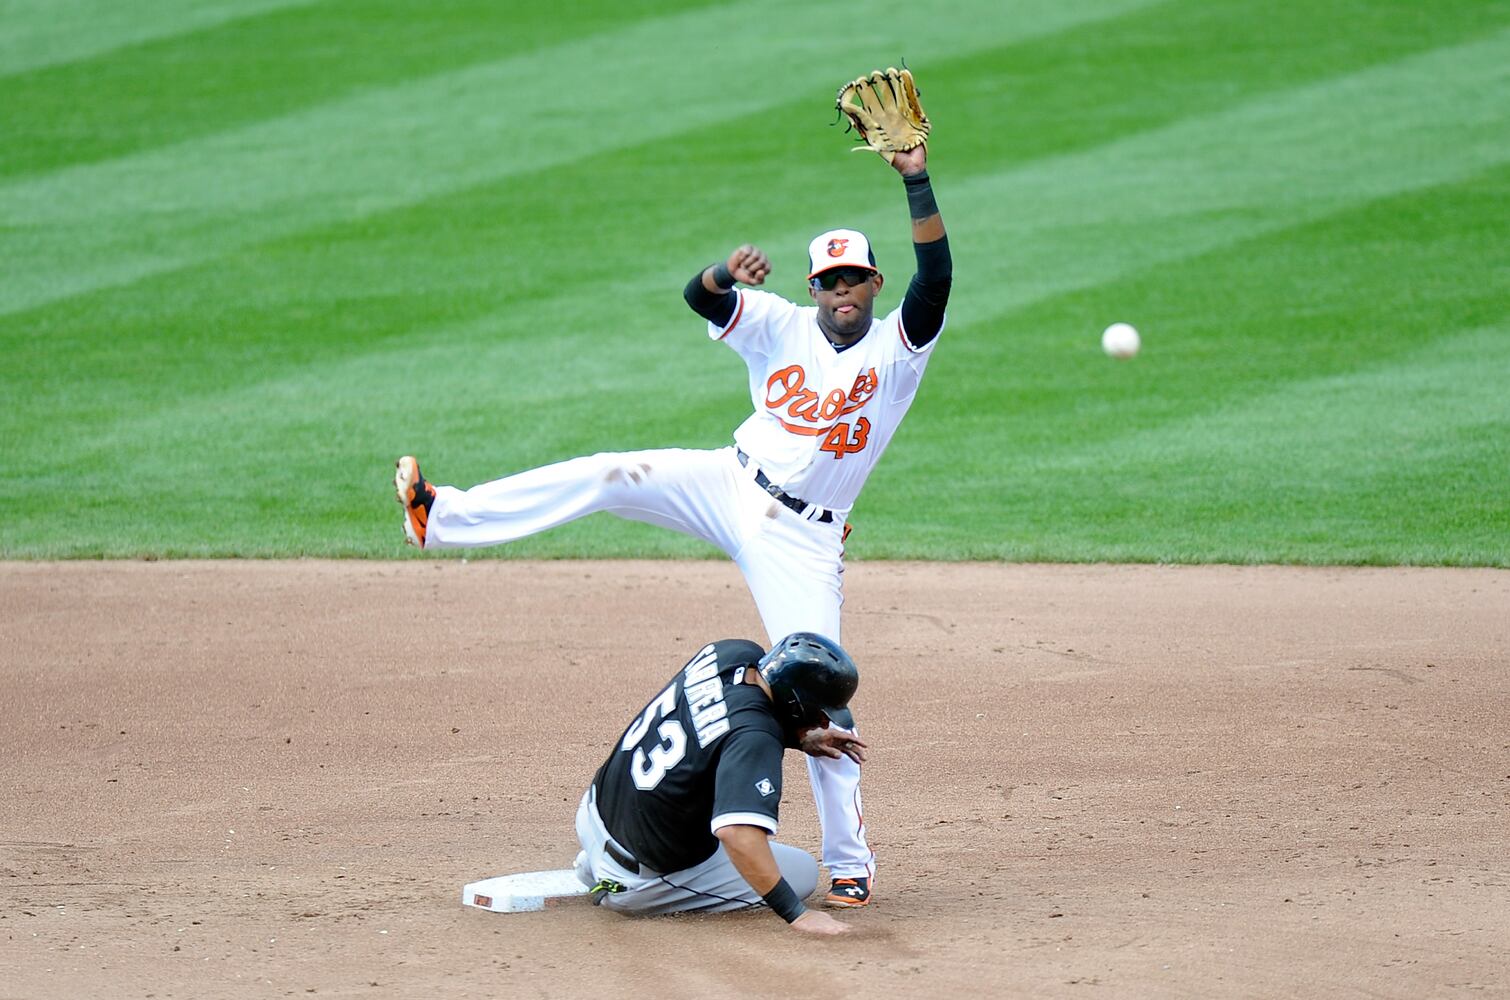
(841, 717)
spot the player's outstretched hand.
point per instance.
(819, 924)
(832, 741)
(749, 265)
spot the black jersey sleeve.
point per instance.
(747, 789)
(928, 293)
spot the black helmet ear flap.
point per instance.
(810, 677)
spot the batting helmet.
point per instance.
(810, 676)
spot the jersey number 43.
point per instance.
(840, 441)
(647, 768)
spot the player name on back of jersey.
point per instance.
(705, 696)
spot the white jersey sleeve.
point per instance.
(758, 320)
(910, 359)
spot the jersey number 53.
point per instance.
(648, 768)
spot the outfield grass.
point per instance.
(255, 249)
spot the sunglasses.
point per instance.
(850, 275)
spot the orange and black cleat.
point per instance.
(849, 892)
(416, 497)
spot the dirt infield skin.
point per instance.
(234, 779)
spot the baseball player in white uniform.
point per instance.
(829, 384)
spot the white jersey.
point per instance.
(822, 416)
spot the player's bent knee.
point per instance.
(798, 867)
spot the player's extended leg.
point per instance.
(682, 489)
(836, 790)
(794, 570)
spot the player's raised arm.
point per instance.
(711, 292)
(749, 848)
(885, 111)
(928, 292)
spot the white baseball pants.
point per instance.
(793, 566)
(710, 886)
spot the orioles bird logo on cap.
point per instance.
(836, 247)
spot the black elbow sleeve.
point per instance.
(928, 293)
(714, 307)
(935, 263)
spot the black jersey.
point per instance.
(704, 754)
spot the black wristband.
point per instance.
(920, 196)
(722, 276)
(783, 901)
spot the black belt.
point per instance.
(765, 483)
(626, 862)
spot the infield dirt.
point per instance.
(272, 778)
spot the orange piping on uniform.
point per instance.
(807, 431)
(902, 332)
(738, 312)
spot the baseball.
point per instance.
(1120, 340)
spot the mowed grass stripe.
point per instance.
(1179, 60)
(91, 226)
(1360, 286)
(46, 32)
(302, 464)
(1348, 468)
(268, 66)
(1074, 221)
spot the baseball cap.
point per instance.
(839, 248)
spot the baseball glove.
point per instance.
(884, 109)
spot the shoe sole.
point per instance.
(403, 487)
(845, 902)
(836, 903)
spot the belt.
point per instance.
(626, 862)
(764, 482)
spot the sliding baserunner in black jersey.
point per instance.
(680, 815)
